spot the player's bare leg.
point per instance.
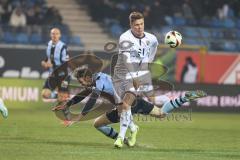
(156, 112)
(167, 104)
(177, 102)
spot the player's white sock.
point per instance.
(132, 125)
(125, 119)
(172, 104)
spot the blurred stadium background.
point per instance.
(207, 129)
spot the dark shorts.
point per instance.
(140, 107)
(53, 83)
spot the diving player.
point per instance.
(100, 84)
(95, 85)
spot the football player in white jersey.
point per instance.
(137, 49)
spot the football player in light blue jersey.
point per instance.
(94, 85)
(56, 55)
(100, 84)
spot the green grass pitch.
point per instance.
(32, 132)
(37, 134)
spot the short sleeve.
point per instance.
(153, 51)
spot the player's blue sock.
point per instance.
(172, 104)
(108, 131)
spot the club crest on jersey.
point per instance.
(147, 42)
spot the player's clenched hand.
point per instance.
(46, 65)
(59, 107)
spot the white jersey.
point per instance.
(133, 58)
(134, 54)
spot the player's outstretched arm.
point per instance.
(76, 99)
(91, 102)
(88, 106)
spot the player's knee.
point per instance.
(129, 97)
(127, 101)
(124, 106)
(156, 112)
(96, 123)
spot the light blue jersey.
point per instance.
(57, 54)
(103, 83)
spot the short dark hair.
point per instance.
(135, 16)
(80, 73)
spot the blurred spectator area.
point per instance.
(213, 23)
(30, 21)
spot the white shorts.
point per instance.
(121, 87)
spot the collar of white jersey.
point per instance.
(136, 36)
